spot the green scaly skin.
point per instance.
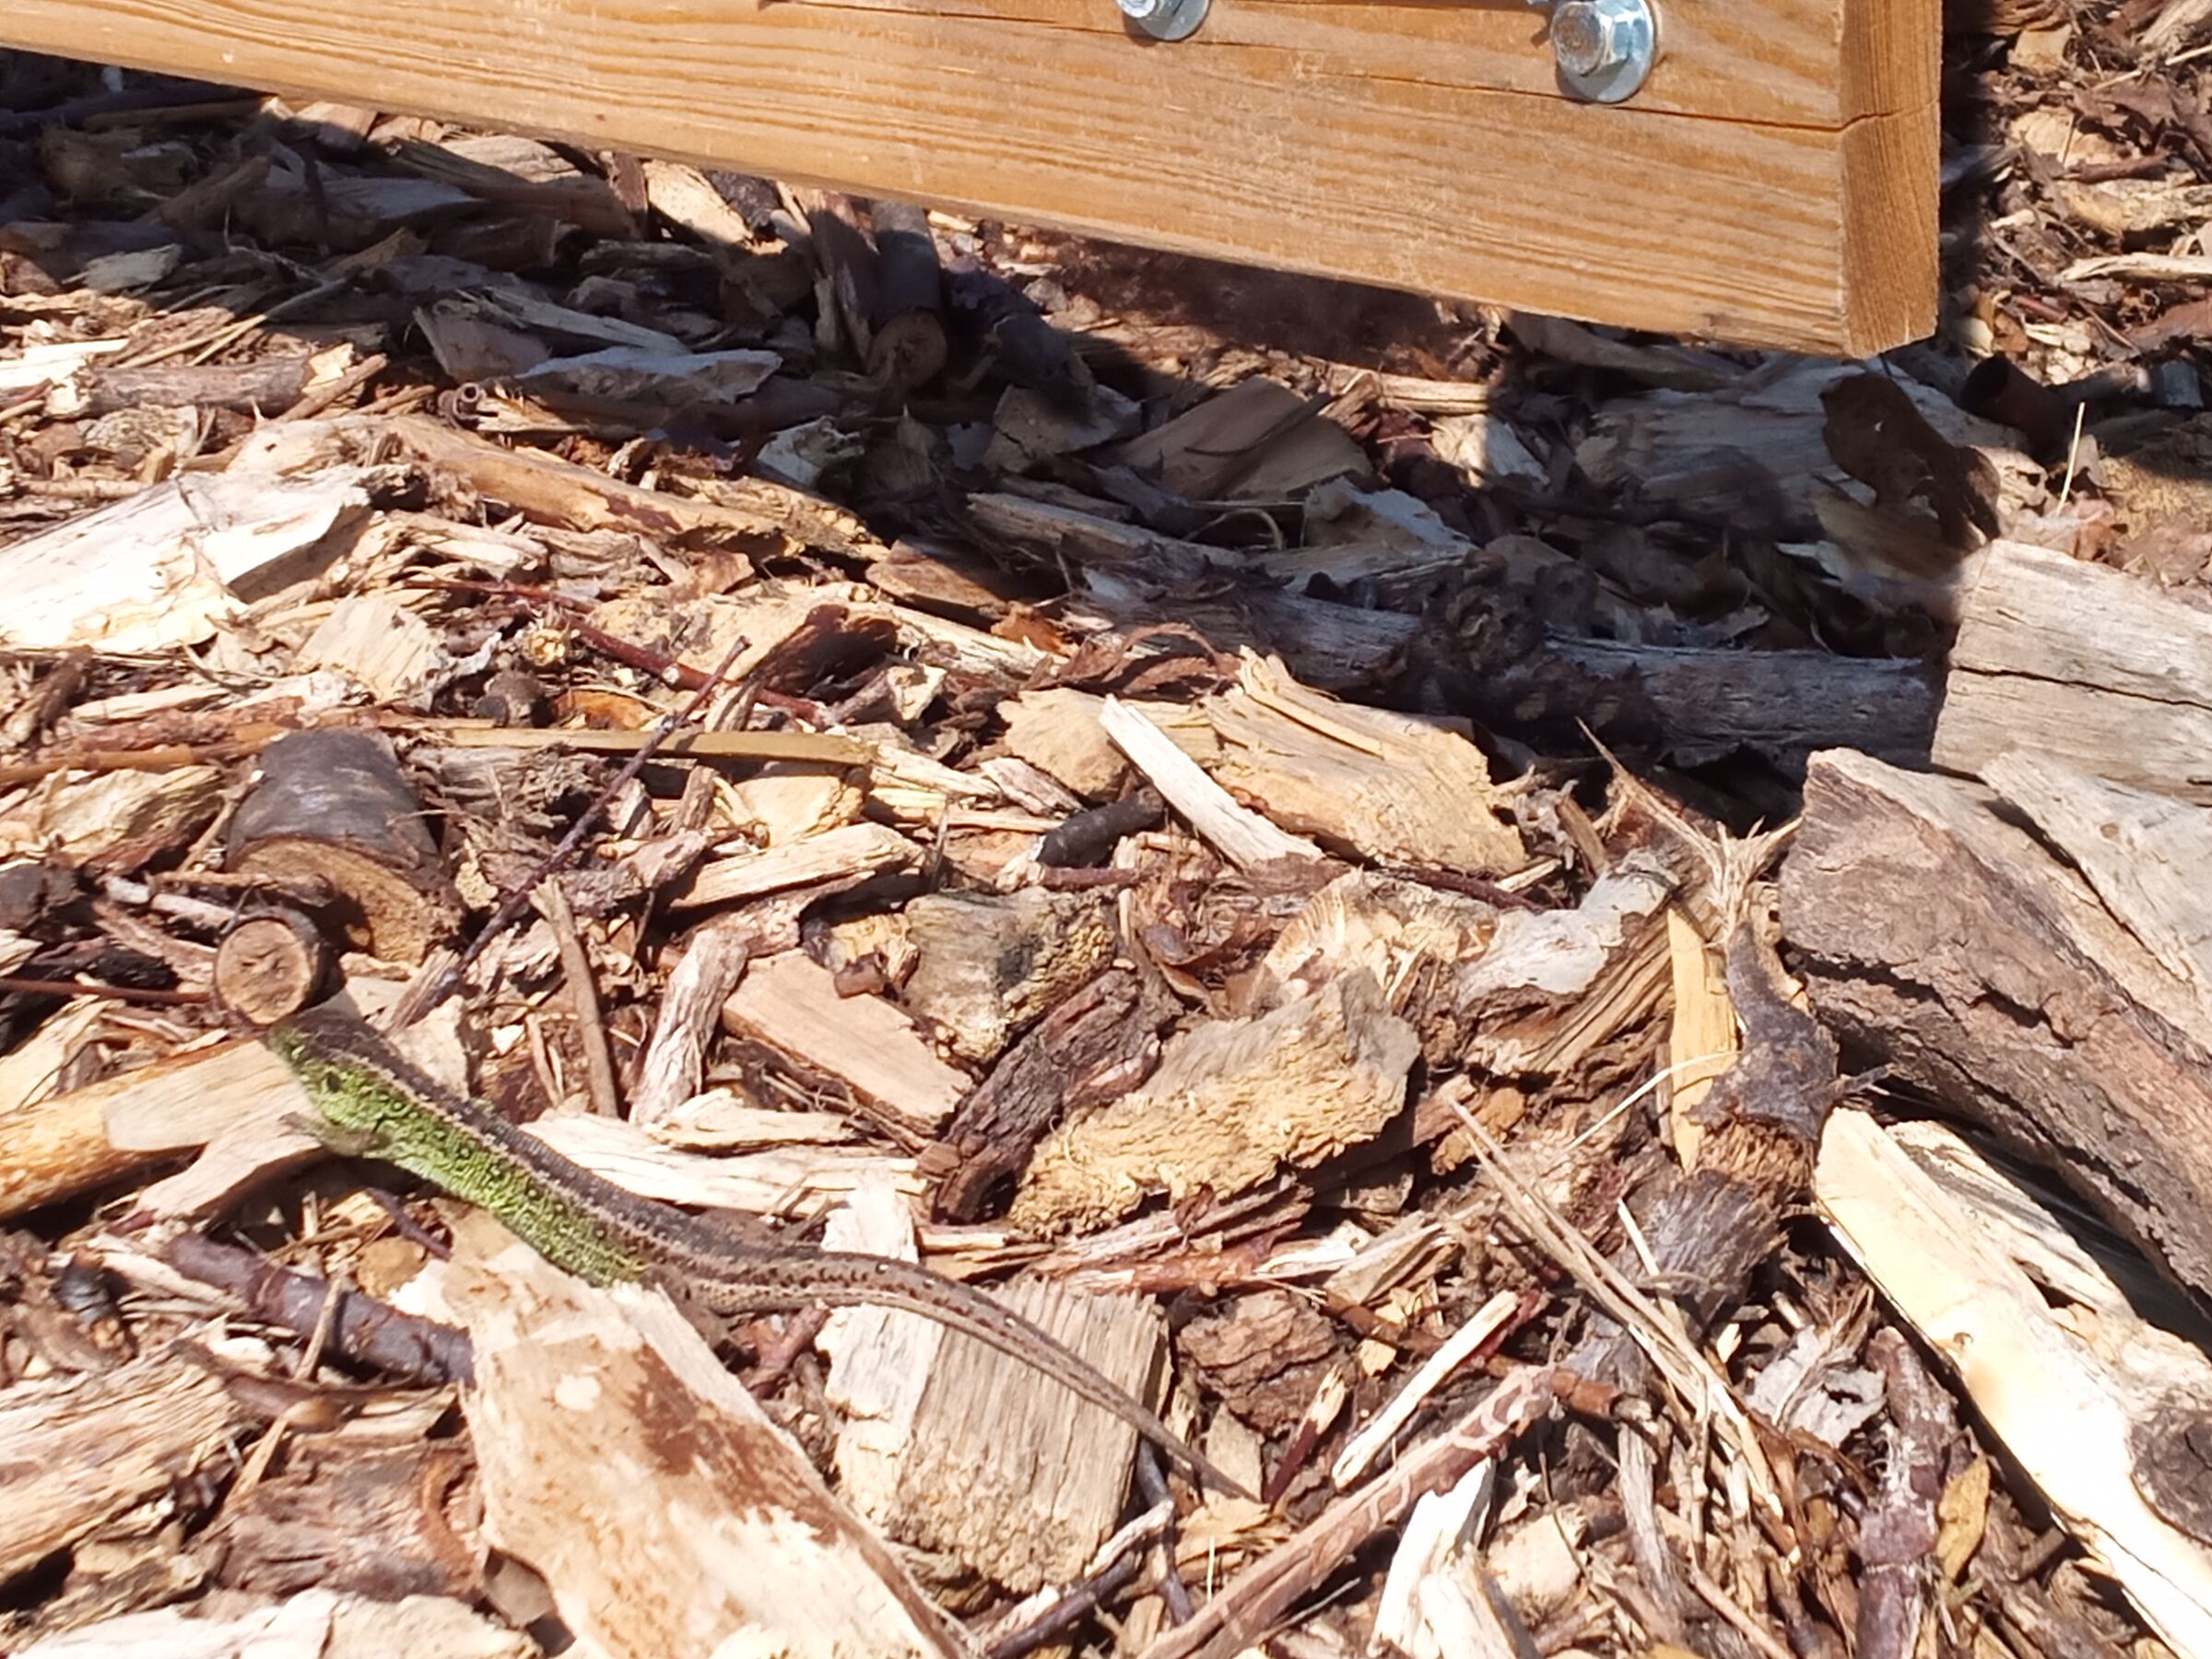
(367, 1116)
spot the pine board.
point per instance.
(1775, 182)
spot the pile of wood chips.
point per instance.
(1590, 959)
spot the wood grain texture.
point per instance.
(2008, 992)
(1774, 183)
(2083, 664)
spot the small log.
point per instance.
(1779, 704)
(2081, 664)
(262, 388)
(270, 965)
(2009, 992)
(334, 807)
(909, 346)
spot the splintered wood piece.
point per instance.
(159, 569)
(949, 1445)
(1242, 837)
(1378, 783)
(76, 1451)
(790, 1003)
(664, 1511)
(2145, 854)
(547, 490)
(2084, 664)
(393, 653)
(1701, 1039)
(315, 1621)
(2073, 1419)
(2010, 993)
(1233, 1101)
(820, 864)
(331, 808)
(1057, 731)
(75, 1142)
(1555, 984)
(1796, 139)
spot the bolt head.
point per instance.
(1603, 49)
(1164, 19)
(1581, 37)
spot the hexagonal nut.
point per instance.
(1586, 38)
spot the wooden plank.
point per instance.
(1774, 183)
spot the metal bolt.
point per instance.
(1164, 19)
(1603, 49)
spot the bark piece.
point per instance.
(2009, 993)
(1232, 1102)
(791, 1004)
(334, 808)
(987, 967)
(1092, 1047)
(2084, 665)
(377, 1522)
(1257, 441)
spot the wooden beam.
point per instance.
(1774, 183)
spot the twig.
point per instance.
(419, 1002)
(46, 987)
(583, 999)
(1257, 1598)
